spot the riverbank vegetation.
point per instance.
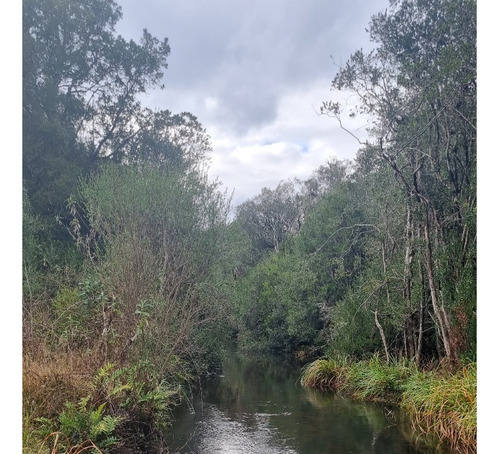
(135, 277)
(124, 238)
(389, 240)
(440, 403)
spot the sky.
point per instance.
(255, 74)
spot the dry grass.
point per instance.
(51, 379)
(59, 439)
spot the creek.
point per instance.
(257, 406)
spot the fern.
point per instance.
(80, 424)
(109, 381)
(103, 374)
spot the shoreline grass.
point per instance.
(439, 403)
(445, 404)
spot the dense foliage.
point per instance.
(124, 238)
(391, 243)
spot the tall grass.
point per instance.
(365, 380)
(50, 379)
(326, 374)
(445, 404)
(438, 403)
(377, 380)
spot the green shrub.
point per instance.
(143, 398)
(81, 425)
(76, 317)
(278, 307)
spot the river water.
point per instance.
(257, 406)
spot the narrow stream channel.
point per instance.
(258, 407)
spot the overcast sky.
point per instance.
(255, 73)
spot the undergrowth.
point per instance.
(324, 374)
(445, 404)
(113, 408)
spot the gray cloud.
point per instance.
(253, 72)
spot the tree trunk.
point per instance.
(408, 283)
(382, 335)
(439, 312)
(420, 319)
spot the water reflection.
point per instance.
(257, 406)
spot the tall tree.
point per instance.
(81, 83)
(81, 87)
(269, 217)
(419, 85)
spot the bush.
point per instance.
(154, 242)
(278, 306)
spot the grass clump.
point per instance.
(377, 380)
(445, 404)
(364, 380)
(326, 374)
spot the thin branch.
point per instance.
(344, 228)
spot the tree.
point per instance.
(154, 245)
(277, 306)
(81, 84)
(81, 88)
(169, 141)
(269, 217)
(79, 71)
(333, 239)
(419, 85)
(323, 181)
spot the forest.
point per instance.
(135, 275)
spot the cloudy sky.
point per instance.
(255, 73)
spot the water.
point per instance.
(258, 407)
